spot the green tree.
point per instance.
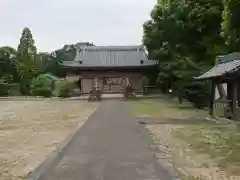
(29, 64)
(52, 61)
(185, 37)
(231, 24)
(8, 72)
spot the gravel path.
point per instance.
(110, 146)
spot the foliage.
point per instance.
(28, 64)
(41, 86)
(185, 37)
(198, 93)
(231, 24)
(19, 67)
(52, 61)
(63, 88)
(52, 64)
(8, 70)
(4, 88)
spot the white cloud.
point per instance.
(57, 22)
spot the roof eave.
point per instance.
(205, 78)
(106, 67)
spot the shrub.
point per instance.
(198, 93)
(4, 88)
(14, 89)
(41, 86)
(63, 88)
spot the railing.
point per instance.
(220, 107)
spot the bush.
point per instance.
(63, 88)
(41, 86)
(4, 88)
(14, 89)
(198, 93)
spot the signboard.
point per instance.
(112, 81)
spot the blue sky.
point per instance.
(58, 22)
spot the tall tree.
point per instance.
(185, 37)
(28, 61)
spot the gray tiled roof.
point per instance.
(110, 56)
(225, 64)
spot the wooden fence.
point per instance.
(220, 106)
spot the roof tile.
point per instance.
(225, 64)
(110, 56)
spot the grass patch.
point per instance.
(184, 177)
(201, 149)
(166, 107)
(221, 143)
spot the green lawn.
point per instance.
(167, 108)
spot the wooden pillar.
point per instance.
(238, 98)
(212, 99)
(234, 98)
(230, 93)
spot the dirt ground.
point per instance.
(194, 162)
(30, 130)
(199, 151)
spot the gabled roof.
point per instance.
(110, 56)
(224, 65)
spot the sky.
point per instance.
(55, 23)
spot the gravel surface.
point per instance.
(30, 130)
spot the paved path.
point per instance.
(110, 146)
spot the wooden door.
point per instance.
(87, 85)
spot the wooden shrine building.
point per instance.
(225, 77)
(108, 68)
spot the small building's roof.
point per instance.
(110, 56)
(224, 65)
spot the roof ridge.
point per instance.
(235, 56)
(113, 47)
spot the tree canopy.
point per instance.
(231, 24)
(28, 61)
(185, 36)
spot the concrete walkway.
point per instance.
(110, 146)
